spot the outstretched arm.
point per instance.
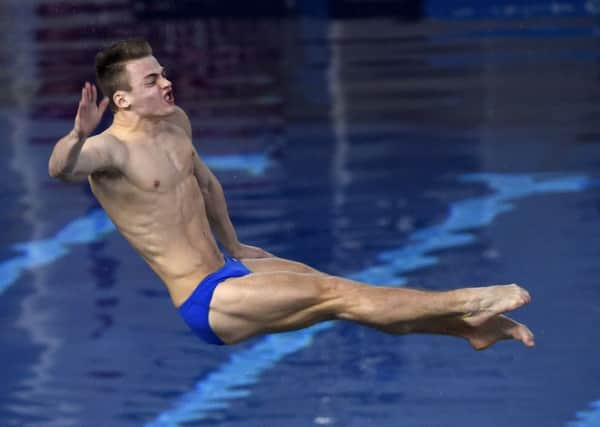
(75, 156)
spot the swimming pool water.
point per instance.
(430, 154)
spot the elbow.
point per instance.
(53, 170)
(57, 169)
(58, 175)
(54, 167)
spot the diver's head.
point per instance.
(131, 77)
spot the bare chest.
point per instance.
(160, 165)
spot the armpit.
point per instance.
(109, 173)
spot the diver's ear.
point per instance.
(121, 100)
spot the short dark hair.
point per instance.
(110, 65)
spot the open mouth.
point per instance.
(169, 97)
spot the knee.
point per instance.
(345, 298)
(327, 287)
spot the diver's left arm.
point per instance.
(218, 215)
(216, 208)
(215, 203)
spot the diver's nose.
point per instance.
(164, 82)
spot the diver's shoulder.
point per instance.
(180, 112)
(106, 136)
(113, 144)
(180, 118)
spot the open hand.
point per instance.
(88, 113)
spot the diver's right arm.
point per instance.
(75, 156)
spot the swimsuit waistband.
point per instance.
(231, 268)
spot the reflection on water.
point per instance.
(364, 123)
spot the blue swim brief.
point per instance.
(194, 310)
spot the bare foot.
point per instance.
(484, 303)
(498, 328)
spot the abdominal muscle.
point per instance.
(170, 230)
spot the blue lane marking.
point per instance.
(255, 164)
(95, 225)
(233, 379)
(90, 228)
(587, 418)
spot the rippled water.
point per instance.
(346, 144)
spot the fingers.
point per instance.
(89, 93)
(84, 94)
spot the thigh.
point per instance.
(271, 302)
(275, 264)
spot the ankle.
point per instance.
(465, 301)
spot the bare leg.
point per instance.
(401, 307)
(480, 337)
(281, 301)
(479, 304)
(273, 264)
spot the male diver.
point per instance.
(152, 183)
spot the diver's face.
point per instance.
(151, 92)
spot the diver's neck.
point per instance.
(129, 122)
